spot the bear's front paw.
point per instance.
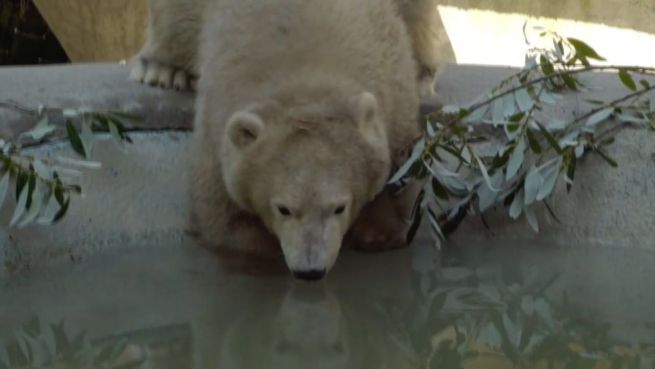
(155, 74)
(371, 237)
(383, 224)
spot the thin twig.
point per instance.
(615, 102)
(634, 69)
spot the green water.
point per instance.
(498, 307)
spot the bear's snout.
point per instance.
(310, 275)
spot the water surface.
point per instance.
(521, 306)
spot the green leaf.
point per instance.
(20, 206)
(515, 161)
(486, 196)
(59, 196)
(550, 173)
(491, 337)
(531, 217)
(552, 212)
(513, 330)
(74, 138)
(509, 106)
(41, 130)
(583, 49)
(31, 184)
(533, 182)
(524, 100)
(513, 127)
(417, 153)
(62, 211)
(516, 208)
(533, 142)
(439, 189)
(4, 187)
(570, 172)
(477, 115)
(485, 173)
(549, 137)
(570, 82)
(34, 209)
(644, 83)
(516, 118)
(546, 66)
(497, 110)
(115, 134)
(121, 129)
(87, 138)
(599, 117)
(21, 181)
(548, 98)
(42, 170)
(51, 209)
(627, 80)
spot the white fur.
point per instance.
(334, 86)
(174, 29)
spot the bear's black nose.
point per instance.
(309, 275)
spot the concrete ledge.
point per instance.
(97, 86)
(139, 199)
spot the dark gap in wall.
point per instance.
(25, 37)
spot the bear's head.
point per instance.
(306, 168)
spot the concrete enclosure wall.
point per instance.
(139, 199)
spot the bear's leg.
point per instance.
(242, 242)
(384, 223)
(168, 58)
(423, 24)
(217, 222)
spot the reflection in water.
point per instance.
(463, 313)
(310, 326)
(38, 344)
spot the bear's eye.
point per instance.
(339, 210)
(284, 210)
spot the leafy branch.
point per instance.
(43, 187)
(481, 313)
(40, 345)
(527, 151)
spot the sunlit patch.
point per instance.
(492, 38)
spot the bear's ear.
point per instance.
(243, 128)
(365, 112)
(365, 109)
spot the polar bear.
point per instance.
(303, 109)
(170, 57)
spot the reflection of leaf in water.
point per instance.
(40, 345)
(469, 315)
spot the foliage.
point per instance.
(43, 186)
(41, 345)
(505, 317)
(530, 149)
